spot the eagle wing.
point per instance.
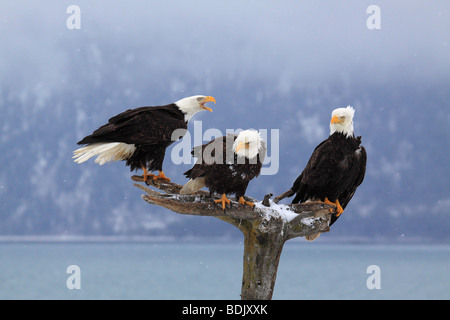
(216, 151)
(361, 164)
(140, 126)
(321, 174)
(312, 175)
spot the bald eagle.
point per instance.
(140, 136)
(335, 169)
(226, 165)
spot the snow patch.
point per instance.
(277, 211)
(308, 221)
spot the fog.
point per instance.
(282, 43)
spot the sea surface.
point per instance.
(163, 271)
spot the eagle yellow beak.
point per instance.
(240, 146)
(208, 99)
(336, 119)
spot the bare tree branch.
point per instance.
(294, 220)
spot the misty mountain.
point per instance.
(58, 85)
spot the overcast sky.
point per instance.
(284, 40)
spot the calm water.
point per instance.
(214, 271)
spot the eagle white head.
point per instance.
(248, 144)
(191, 105)
(342, 121)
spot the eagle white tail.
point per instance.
(106, 152)
(193, 185)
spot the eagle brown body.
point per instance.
(230, 177)
(334, 171)
(224, 167)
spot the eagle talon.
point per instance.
(328, 202)
(339, 208)
(224, 200)
(337, 204)
(146, 174)
(161, 175)
(243, 202)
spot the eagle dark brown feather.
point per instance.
(334, 171)
(224, 178)
(148, 128)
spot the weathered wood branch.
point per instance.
(294, 220)
(266, 227)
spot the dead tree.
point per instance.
(266, 227)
